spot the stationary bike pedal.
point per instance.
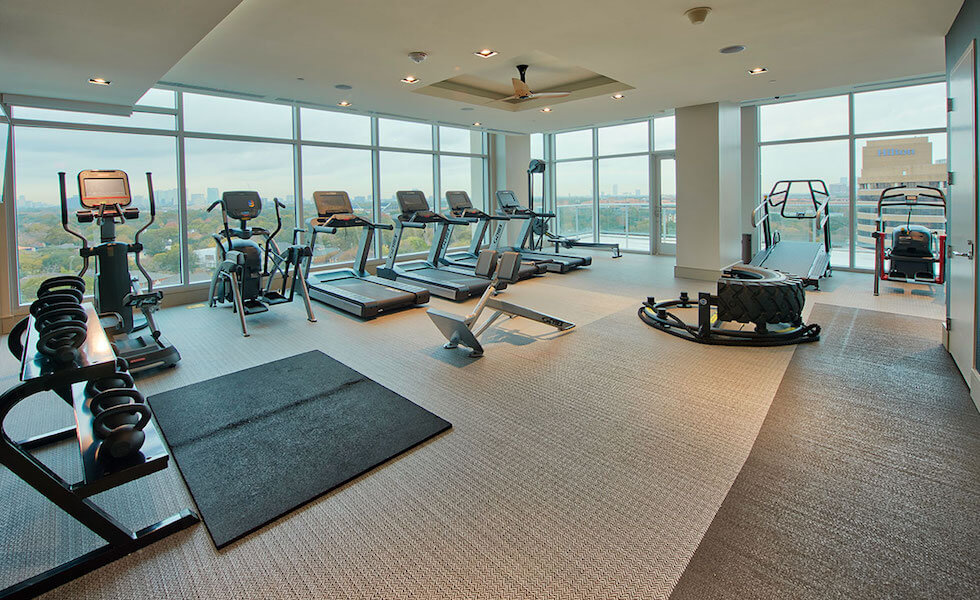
(272, 298)
(253, 307)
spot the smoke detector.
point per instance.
(698, 15)
(417, 56)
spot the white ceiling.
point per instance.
(263, 46)
(50, 48)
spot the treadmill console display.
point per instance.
(507, 199)
(332, 203)
(412, 201)
(108, 188)
(458, 201)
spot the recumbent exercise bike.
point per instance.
(916, 255)
(246, 270)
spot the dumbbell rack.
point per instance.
(38, 374)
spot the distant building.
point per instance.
(207, 258)
(891, 162)
(213, 195)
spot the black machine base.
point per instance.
(658, 315)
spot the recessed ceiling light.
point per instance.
(410, 79)
(343, 86)
(732, 49)
(757, 70)
(99, 81)
(300, 79)
(545, 109)
(618, 96)
(343, 103)
(486, 53)
(467, 108)
(477, 124)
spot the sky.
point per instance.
(267, 167)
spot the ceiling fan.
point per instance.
(522, 92)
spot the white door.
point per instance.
(962, 228)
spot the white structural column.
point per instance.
(512, 155)
(709, 189)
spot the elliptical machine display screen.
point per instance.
(242, 205)
(103, 188)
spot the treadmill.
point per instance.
(461, 207)
(808, 260)
(556, 263)
(439, 280)
(353, 289)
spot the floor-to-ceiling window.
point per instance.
(199, 146)
(859, 144)
(602, 180)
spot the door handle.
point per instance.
(968, 254)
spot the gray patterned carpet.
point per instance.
(864, 481)
(583, 465)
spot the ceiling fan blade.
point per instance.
(550, 94)
(520, 88)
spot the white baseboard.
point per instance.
(696, 273)
(975, 388)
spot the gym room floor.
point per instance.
(583, 465)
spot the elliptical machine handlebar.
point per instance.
(136, 237)
(64, 223)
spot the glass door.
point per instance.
(624, 202)
(666, 208)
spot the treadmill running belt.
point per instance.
(793, 257)
(369, 289)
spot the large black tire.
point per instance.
(750, 294)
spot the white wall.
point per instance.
(511, 155)
(709, 189)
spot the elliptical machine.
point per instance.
(105, 198)
(243, 263)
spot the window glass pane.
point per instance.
(327, 126)
(158, 98)
(623, 139)
(213, 114)
(574, 144)
(329, 169)
(137, 119)
(404, 171)
(664, 137)
(827, 161)
(891, 161)
(668, 201)
(454, 139)
(624, 202)
(916, 107)
(537, 145)
(404, 134)
(804, 118)
(573, 199)
(44, 249)
(4, 133)
(466, 174)
(217, 166)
